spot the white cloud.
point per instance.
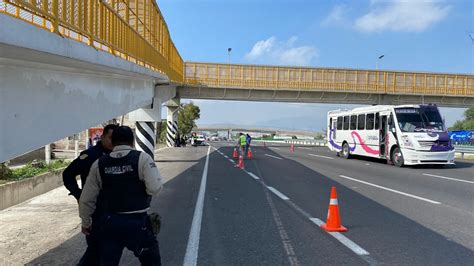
(337, 16)
(402, 15)
(272, 51)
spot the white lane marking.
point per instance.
(450, 178)
(344, 240)
(253, 175)
(391, 190)
(273, 156)
(304, 148)
(275, 148)
(230, 160)
(321, 156)
(278, 193)
(227, 157)
(190, 258)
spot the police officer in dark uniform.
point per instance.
(124, 180)
(81, 166)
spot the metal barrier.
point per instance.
(327, 79)
(134, 30)
(464, 149)
(311, 142)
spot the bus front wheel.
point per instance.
(397, 157)
(345, 151)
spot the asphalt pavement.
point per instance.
(269, 213)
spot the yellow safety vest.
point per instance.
(243, 140)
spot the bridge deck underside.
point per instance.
(319, 96)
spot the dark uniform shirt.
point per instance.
(81, 166)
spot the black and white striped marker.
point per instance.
(172, 129)
(146, 138)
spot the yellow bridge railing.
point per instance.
(327, 79)
(132, 29)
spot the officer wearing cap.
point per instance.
(125, 180)
(81, 166)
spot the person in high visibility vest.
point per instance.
(242, 142)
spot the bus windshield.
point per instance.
(422, 119)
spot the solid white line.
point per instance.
(190, 258)
(305, 148)
(391, 190)
(273, 156)
(253, 175)
(344, 240)
(326, 157)
(450, 178)
(278, 193)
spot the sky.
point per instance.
(413, 35)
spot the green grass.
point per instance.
(8, 175)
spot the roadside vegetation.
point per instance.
(29, 170)
(187, 116)
(467, 123)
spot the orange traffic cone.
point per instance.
(249, 154)
(333, 223)
(234, 154)
(292, 148)
(241, 162)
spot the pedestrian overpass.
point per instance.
(66, 65)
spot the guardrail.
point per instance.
(134, 30)
(311, 142)
(327, 79)
(464, 149)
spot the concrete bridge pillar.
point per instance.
(145, 119)
(172, 106)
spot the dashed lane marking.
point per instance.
(391, 190)
(278, 193)
(253, 175)
(321, 156)
(344, 240)
(449, 178)
(273, 156)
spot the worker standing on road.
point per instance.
(124, 180)
(241, 143)
(81, 166)
(247, 146)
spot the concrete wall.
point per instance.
(17, 192)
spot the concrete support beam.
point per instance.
(53, 87)
(318, 96)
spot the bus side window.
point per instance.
(339, 123)
(353, 122)
(377, 121)
(369, 123)
(361, 122)
(330, 123)
(346, 122)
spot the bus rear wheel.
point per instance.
(345, 153)
(397, 157)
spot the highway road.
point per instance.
(269, 213)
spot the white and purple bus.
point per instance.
(404, 134)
